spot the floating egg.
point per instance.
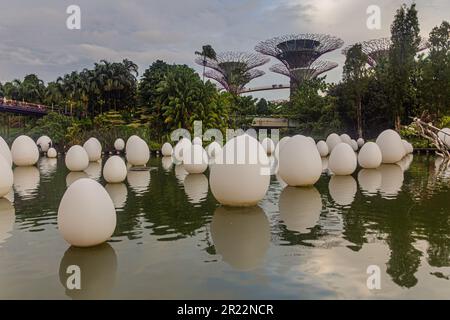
(93, 149)
(342, 160)
(444, 135)
(197, 141)
(345, 138)
(195, 159)
(391, 146)
(213, 149)
(300, 208)
(118, 193)
(241, 236)
(300, 162)
(354, 145)
(137, 151)
(77, 159)
(5, 152)
(24, 152)
(343, 189)
(369, 156)
(322, 147)
(184, 143)
(369, 181)
(279, 145)
(6, 177)
(119, 144)
(268, 145)
(408, 147)
(332, 140)
(115, 170)
(241, 174)
(166, 149)
(360, 142)
(51, 153)
(86, 214)
(44, 143)
(196, 187)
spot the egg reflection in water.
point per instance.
(196, 187)
(94, 170)
(48, 166)
(369, 181)
(300, 208)
(167, 163)
(324, 164)
(98, 269)
(7, 218)
(26, 181)
(391, 180)
(343, 189)
(118, 193)
(180, 173)
(74, 176)
(139, 181)
(241, 236)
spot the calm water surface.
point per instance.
(174, 241)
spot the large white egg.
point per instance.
(241, 236)
(322, 147)
(51, 153)
(391, 146)
(115, 170)
(213, 149)
(333, 140)
(300, 208)
(300, 163)
(24, 151)
(354, 145)
(369, 156)
(93, 149)
(5, 152)
(184, 143)
(343, 189)
(137, 152)
(279, 145)
(345, 138)
(196, 187)
(391, 180)
(268, 145)
(342, 160)
(7, 219)
(369, 181)
(360, 142)
(408, 147)
(241, 174)
(119, 144)
(166, 149)
(26, 181)
(44, 143)
(77, 159)
(139, 181)
(118, 193)
(444, 135)
(86, 214)
(195, 159)
(197, 141)
(6, 177)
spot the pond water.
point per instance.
(174, 241)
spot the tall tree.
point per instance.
(207, 53)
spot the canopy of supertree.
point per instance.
(299, 75)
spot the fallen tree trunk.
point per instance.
(431, 133)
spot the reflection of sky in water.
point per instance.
(174, 241)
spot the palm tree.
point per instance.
(207, 53)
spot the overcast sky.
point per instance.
(34, 37)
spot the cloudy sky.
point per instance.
(34, 37)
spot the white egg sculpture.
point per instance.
(369, 156)
(354, 145)
(213, 149)
(322, 147)
(5, 152)
(195, 159)
(93, 149)
(137, 152)
(24, 152)
(360, 142)
(333, 140)
(44, 143)
(391, 146)
(345, 138)
(300, 162)
(119, 144)
(279, 145)
(444, 135)
(86, 214)
(342, 160)
(115, 170)
(408, 147)
(6, 177)
(51, 153)
(166, 149)
(184, 143)
(268, 145)
(241, 174)
(77, 159)
(197, 141)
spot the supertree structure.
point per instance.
(298, 52)
(378, 49)
(299, 75)
(233, 70)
